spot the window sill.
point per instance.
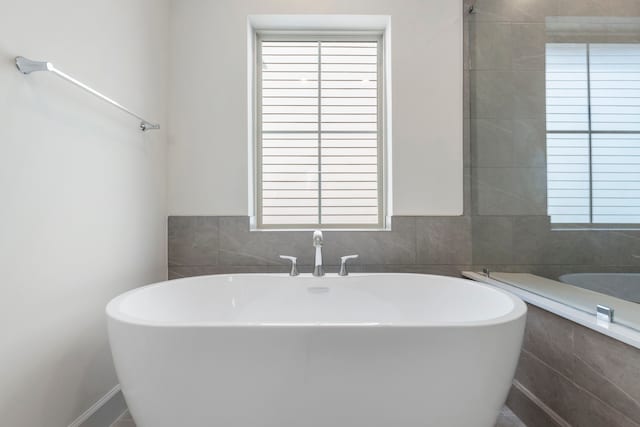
(327, 230)
(253, 226)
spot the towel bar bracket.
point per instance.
(27, 66)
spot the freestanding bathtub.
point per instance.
(371, 350)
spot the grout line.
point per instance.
(606, 379)
(540, 404)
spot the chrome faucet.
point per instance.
(318, 270)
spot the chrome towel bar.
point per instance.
(27, 66)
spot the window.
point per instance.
(593, 133)
(319, 132)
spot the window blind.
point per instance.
(593, 132)
(319, 134)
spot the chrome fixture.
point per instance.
(318, 270)
(343, 264)
(294, 264)
(604, 313)
(486, 272)
(27, 66)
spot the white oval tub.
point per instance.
(370, 350)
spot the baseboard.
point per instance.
(527, 406)
(531, 410)
(104, 412)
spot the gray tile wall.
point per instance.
(208, 245)
(505, 65)
(586, 379)
(507, 107)
(442, 245)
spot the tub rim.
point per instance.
(519, 308)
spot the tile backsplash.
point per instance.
(440, 245)
(207, 245)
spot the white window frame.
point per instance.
(271, 35)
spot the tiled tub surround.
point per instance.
(580, 377)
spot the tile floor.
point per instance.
(507, 419)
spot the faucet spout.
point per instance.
(317, 238)
(318, 269)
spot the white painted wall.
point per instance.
(208, 150)
(82, 195)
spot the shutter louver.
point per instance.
(319, 141)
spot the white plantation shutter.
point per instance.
(593, 133)
(319, 133)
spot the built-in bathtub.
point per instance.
(620, 285)
(375, 350)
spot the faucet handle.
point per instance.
(294, 266)
(343, 264)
